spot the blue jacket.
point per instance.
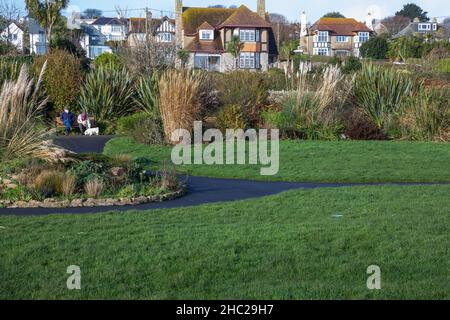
(68, 118)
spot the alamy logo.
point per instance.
(231, 150)
(374, 280)
(74, 281)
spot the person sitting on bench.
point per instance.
(67, 118)
(83, 122)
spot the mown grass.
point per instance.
(319, 161)
(303, 244)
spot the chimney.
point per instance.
(369, 21)
(261, 10)
(179, 23)
(303, 25)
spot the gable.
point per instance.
(340, 26)
(194, 17)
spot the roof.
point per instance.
(206, 26)
(218, 18)
(413, 28)
(137, 25)
(194, 17)
(109, 21)
(340, 26)
(244, 17)
(214, 46)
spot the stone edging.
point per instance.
(90, 202)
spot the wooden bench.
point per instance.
(60, 125)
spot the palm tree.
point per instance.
(46, 13)
(234, 47)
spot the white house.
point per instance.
(114, 29)
(14, 34)
(163, 30)
(93, 42)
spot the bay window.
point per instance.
(249, 60)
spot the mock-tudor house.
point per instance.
(163, 30)
(335, 37)
(14, 35)
(206, 32)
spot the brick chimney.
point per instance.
(179, 23)
(261, 10)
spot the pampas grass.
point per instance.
(180, 100)
(21, 131)
(94, 188)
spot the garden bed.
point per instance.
(85, 181)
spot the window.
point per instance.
(165, 37)
(207, 62)
(321, 51)
(342, 53)
(322, 36)
(249, 60)
(206, 35)
(424, 26)
(248, 35)
(116, 28)
(363, 37)
(341, 39)
(434, 26)
(116, 38)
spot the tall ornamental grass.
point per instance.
(379, 92)
(22, 133)
(179, 100)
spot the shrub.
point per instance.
(231, 117)
(403, 48)
(351, 65)
(243, 88)
(107, 94)
(62, 78)
(375, 48)
(108, 60)
(426, 115)
(380, 91)
(49, 183)
(128, 191)
(179, 100)
(69, 185)
(168, 178)
(144, 128)
(94, 188)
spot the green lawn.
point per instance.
(318, 161)
(300, 244)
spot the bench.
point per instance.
(60, 125)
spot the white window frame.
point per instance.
(206, 35)
(424, 27)
(363, 37)
(341, 39)
(115, 28)
(434, 26)
(247, 35)
(321, 51)
(323, 36)
(248, 60)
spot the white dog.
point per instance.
(91, 132)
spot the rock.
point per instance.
(77, 203)
(49, 200)
(117, 171)
(90, 202)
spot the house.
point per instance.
(162, 29)
(416, 27)
(93, 41)
(14, 35)
(206, 32)
(340, 37)
(114, 29)
(38, 40)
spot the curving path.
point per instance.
(201, 190)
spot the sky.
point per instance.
(290, 8)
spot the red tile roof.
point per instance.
(244, 17)
(198, 45)
(340, 26)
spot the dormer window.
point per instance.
(206, 35)
(424, 26)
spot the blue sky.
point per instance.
(290, 8)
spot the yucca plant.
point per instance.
(147, 92)
(22, 133)
(379, 92)
(179, 100)
(107, 94)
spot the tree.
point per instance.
(234, 47)
(282, 29)
(375, 48)
(92, 13)
(395, 24)
(403, 48)
(9, 12)
(183, 55)
(413, 11)
(333, 14)
(47, 13)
